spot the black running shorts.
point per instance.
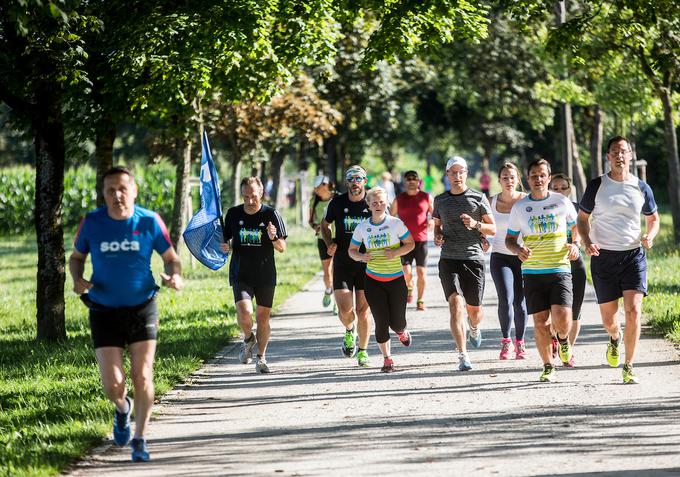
(122, 326)
(544, 290)
(464, 277)
(419, 254)
(264, 296)
(323, 250)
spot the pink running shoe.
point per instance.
(405, 338)
(505, 348)
(554, 347)
(520, 349)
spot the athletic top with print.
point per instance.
(346, 215)
(377, 238)
(543, 225)
(615, 208)
(461, 243)
(252, 260)
(121, 255)
(412, 209)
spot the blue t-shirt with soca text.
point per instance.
(121, 255)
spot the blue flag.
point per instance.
(203, 235)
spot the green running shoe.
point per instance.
(564, 350)
(362, 358)
(629, 376)
(549, 374)
(613, 353)
(349, 348)
(326, 300)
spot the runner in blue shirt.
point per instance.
(121, 297)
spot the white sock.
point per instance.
(328, 291)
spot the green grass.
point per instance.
(662, 307)
(52, 409)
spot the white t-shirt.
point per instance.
(543, 225)
(615, 209)
(376, 238)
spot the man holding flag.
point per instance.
(253, 231)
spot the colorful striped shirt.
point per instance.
(543, 225)
(377, 238)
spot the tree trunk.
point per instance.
(48, 129)
(236, 179)
(486, 158)
(181, 193)
(103, 153)
(275, 169)
(673, 159)
(566, 127)
(330, 147)
(388, 158)
(579, 177)
(596, 143)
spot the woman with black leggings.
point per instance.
(506, 267)
(562, 183)
(385, 239)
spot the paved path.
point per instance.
(319, 414)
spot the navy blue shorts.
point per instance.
(614, 272)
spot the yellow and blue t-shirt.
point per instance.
(377, 238)
(543, 225)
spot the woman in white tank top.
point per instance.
(505, 266)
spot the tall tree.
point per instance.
(41, 44)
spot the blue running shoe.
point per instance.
(121, 425)
(139, 451)
(474, 335)
(464, 362)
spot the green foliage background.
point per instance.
(156, 186)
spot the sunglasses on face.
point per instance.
(355, 179)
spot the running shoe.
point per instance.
(335, 309)
(121, 425)
(405, 338)
(139, 450)
(474, 335)
(246, 354)
(464, 363)
(388, 366)
(520, 349)
(549, 374)
(326, 299)
(261, 365)
(420, 305)
(570, 363)
(505, 348)
(613, 353)
(564, 350)
(554, 347)
(349, 348)
(629, 376)
(362, 359)
(409, 295)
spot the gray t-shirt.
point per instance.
(460, 243)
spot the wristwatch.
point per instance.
(478, 225)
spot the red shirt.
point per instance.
(412, 210)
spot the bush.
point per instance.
(156, 186)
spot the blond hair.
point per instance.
(373, 191)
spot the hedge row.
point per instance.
(156, 185)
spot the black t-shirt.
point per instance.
(346, 215)
(252, 259)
